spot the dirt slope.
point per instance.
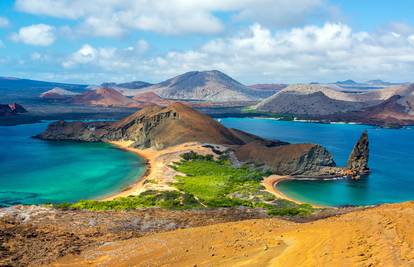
(381, 236)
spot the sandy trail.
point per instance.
(381, 236)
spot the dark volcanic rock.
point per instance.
(11, 109)
(358, 160)
(76, 131)
(291, 159)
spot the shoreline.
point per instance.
(157, 170)
(271, 182)
(136, 187)
(157, 175)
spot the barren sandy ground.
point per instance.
(381, 236)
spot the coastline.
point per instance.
(158, 175)
(271, 182)
(137, 187)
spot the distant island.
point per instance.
(374, 102)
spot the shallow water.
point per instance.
(391, 160)
(33, 171)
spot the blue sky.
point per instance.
(257, 41)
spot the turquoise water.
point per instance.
(34, 171)
(391, 160)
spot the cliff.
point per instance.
(289, 159)
(358, 159)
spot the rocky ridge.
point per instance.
(157, 127)
(358, 160)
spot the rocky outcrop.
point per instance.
(76, 131)
(11, 109)
(358, 160)
(159, 127)
(287, 159)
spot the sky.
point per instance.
(254, 41)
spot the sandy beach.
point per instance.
(158, 174)
(270, 183)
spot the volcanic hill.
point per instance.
(206, 85)
(11, 109)
(393, 105)
(105, 97)
(158, 128)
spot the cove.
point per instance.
(391, 160)
(34, 171)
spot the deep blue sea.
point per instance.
(391, 160)
(33, 171)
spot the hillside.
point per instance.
(15, 89)
(58, 93)
(127, 85)
(11, 109)
(105, 97)
(128, 88)
(205, 85)
(380, 236)
(309, 100)
(159, 128)
(317, 100)
(151, 98)
(268, 87)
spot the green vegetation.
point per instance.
(252, 110)
(163, 199)
(208, 183)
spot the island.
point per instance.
(161, 135)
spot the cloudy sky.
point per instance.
(254, 41)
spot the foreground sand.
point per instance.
(381, 236)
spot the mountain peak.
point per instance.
(211, 85)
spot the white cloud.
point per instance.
(116, 17)
(38, 34)
(4, 22)
(311, 53)
(86, 54)
(105, 58)
(411, 39)
(141, 46)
